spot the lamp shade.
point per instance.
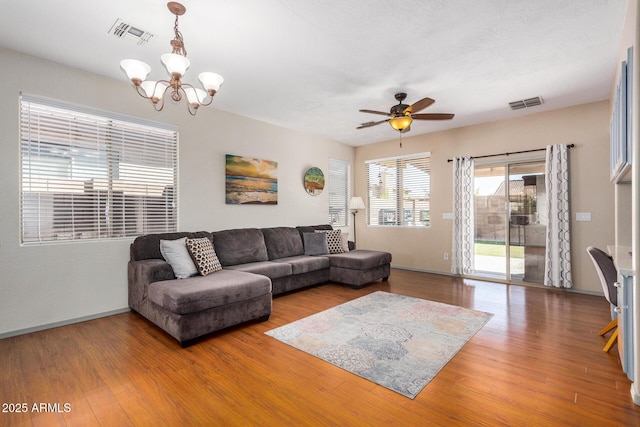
(175, 64)
(195, 96)
(400, 123)
(154, 90)
(211, 81)
(356, 203)
(136, 70)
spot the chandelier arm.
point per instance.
(155, 105)
(191, 109)
(179, 47)
(141, 92)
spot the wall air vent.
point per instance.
(525, 103)
(123, 30)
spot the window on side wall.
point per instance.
(88, 174)
(399, 190)
(338, 192)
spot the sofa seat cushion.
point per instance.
(305, 263)
(272, 270)
(198, 293)
(360, 259)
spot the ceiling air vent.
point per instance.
(123, 30)
(525, 103)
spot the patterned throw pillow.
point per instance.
(203, 255)
(334, 241)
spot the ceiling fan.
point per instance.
(401, 115)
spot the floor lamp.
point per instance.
(355, 205)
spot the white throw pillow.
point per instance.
(176, 254)
(345, 241)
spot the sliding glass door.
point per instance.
(510, 222)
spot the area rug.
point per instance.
(396, 341)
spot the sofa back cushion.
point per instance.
(148, 246)
(312, 228)
(283, 242)
(239, 246)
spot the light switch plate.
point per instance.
(583, 216)
(447, 215)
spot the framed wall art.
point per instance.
(314, 181)
(250, 181)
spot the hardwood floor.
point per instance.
(538, 362)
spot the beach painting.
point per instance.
(250, 181)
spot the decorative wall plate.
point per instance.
(314, 181)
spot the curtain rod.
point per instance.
(512, 152)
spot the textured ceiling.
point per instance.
(310, 65)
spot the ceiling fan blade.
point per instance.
(433, 116)
(369, 124)
(375, 112)
(420, 105)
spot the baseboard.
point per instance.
(634, 394)
(489, 279)
(62, 323)
(422, 270)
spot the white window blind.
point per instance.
(399, 190)
(338, 192)
(93, 175)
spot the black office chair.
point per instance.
(608, 274)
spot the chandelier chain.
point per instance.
(181, 50)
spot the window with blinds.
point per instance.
(399, 191)
(93, 175)
(338, 192)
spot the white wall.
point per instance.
(586, 126)
(47, 284)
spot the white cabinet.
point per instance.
(625, 324)
(621, 123)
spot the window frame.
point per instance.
(92, 175)
(338, 204)
(419, 214)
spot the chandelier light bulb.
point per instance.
(195, 96)
(176, 64)
(211, 82)
(154, 90)
(136, 70)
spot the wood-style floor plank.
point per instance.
(537, 362)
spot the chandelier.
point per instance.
(176, 64)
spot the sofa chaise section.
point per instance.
(359, 267)
(189, 308)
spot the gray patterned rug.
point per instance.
(396, 341)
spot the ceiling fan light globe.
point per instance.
(400, 123)
(175, 64)
(136, 70)
(211, 81)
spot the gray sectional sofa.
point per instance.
(256, 265)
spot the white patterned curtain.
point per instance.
(462, 247)
(557, 269)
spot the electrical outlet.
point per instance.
(583, 216)
(446, 256)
